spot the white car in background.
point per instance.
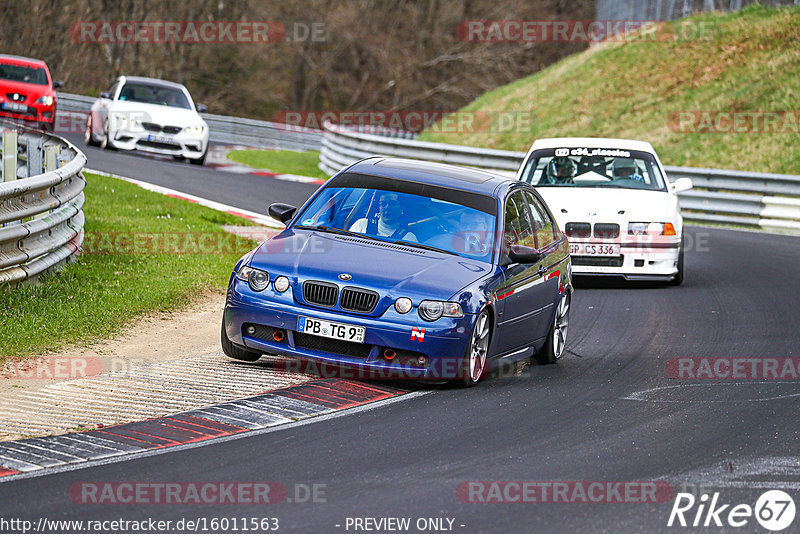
(149, 115)
(613, 200)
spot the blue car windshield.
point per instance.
(463, 229)
(593, 167)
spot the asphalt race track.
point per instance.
(244, 191)
(609, 411)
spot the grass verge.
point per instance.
(281, 161)
(664, 89)
(143, 253)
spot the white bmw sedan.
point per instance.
(148, 115)
(613, 200)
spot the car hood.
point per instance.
(598, 204)
(164, 115)
(391, 270)
(32, 91)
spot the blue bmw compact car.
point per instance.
(406, 269)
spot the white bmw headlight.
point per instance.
(194, 130)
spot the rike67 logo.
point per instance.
(774, 510)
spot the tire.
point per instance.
(88, 138)
(106, 143)
(237, 353)
(48, 127)
(199, 161)
(553, 348)
(473, 366)
(678, 279)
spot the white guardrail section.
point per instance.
(41, 201)
(224, 129)
(760, 200)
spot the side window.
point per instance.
(542, 223)
(518, 229)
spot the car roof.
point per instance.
(22, 59)
(439, 174)
(592, 142)
(152, 81)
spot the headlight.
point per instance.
(281, 284)
(402, 305)
(650, 228)
(46, 100)
(194, 130)
(256, 278)
(430, 310)
(121, 120)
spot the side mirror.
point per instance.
(523, 254)
(201, 108)
(681, 184)
(105, 94)
(281, 212)
(57, 84)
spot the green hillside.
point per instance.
(737, 74)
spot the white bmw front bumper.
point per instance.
(636, 259)
(182, 144)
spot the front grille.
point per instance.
(333, 346)
(157, 144)
(578, 229)
(606, 230)
(151, 126)
(409, 357)
(595, 261)
(358, 300)
(321, 293)
(262, 331)
(19, 98)
(172, 129)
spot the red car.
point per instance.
(27, 91)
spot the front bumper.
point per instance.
(33, 113)
(180, 144)
(443, 342)
(638, 260)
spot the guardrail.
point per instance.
(224, 129)
(758, 200)
(41, 201)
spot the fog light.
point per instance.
(250, 330)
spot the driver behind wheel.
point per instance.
(626, 169)
(561, 170)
